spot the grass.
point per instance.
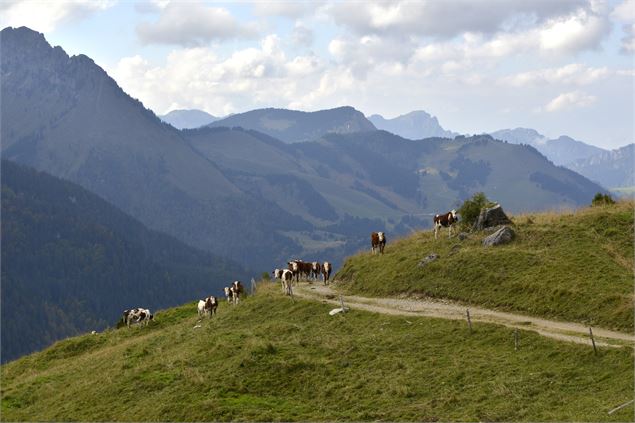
(273, 360)
(574, 266)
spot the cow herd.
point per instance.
(296, 269)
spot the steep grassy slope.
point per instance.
(71, 262)
(270, 359)
(574, 266)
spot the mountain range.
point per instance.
(612, 169)
(414, 125)
(188, 119)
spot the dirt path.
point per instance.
(564, 331)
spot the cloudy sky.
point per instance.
(558, 66)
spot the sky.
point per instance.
(557, 66)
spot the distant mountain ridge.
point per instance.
(188, 119)
(562, 151)
(292, 126)
(612, 169)
(71, 263)
(414, 125)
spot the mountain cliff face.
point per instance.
(188, 119)
(294, 126)
(414, 125)
(66, 116)
(71, 263)
(245, 193)
(612, 169)
(562, 151)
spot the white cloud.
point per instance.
(446, 18)
(193, 24)
(302, 35)
(575, 73)
(625, 13)
(45, 16)
(287, 9)
(570, 100)
(198, 78)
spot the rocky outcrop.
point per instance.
(493, 216)
(501, 236)
(429, 259)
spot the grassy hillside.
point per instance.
(575, 266)
(271, 359)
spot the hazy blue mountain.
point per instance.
(188, 119)
(66, 116)
(414, 125)
(612, 169)
(294, 126)
(243, 193)
(562, 151)
(71, 263)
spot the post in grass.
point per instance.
(516, 339)
(469, 321)
(342, 304)
(253, 286)
(595, 350)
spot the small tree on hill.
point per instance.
(472, 207)
(265, 276)
(602, 200)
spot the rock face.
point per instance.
(429, 259)
(501, 236)
(494, 216)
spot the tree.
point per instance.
(602, 200)
(472, 207)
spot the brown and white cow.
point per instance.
(326, 272)
(377, 242)
(316, 270)
(445, 220)
(228, 294)
(294, 267)
(287, 277)
(137, 316)
(237, 290)
(207, 306)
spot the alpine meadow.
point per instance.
(317, 211)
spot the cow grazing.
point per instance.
(228, 294)
(137, 316)
(445, 220)
(237, 290)
(287, 278)
(377, 242)
(326, 272)
(207, 306)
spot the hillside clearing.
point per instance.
(573, 266)
(271, 359)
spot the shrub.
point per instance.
(472, 207)
(265, 276)
(602, 200)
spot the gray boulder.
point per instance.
(463, 236)
(493, 216)
(429, 259)
(501, 236)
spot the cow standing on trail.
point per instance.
(377, 242)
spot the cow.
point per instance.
(207, 306)
(287, 278)
(228, 294)
(138, 316)
(277, 274)
(294, 267)
(377, 242)
(326, 272)
(237, 290)
(316, 269)
(445, 220)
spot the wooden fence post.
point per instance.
(469, 321)
(253, 286)
(516, 339)
(595, 350)
(342, 304)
